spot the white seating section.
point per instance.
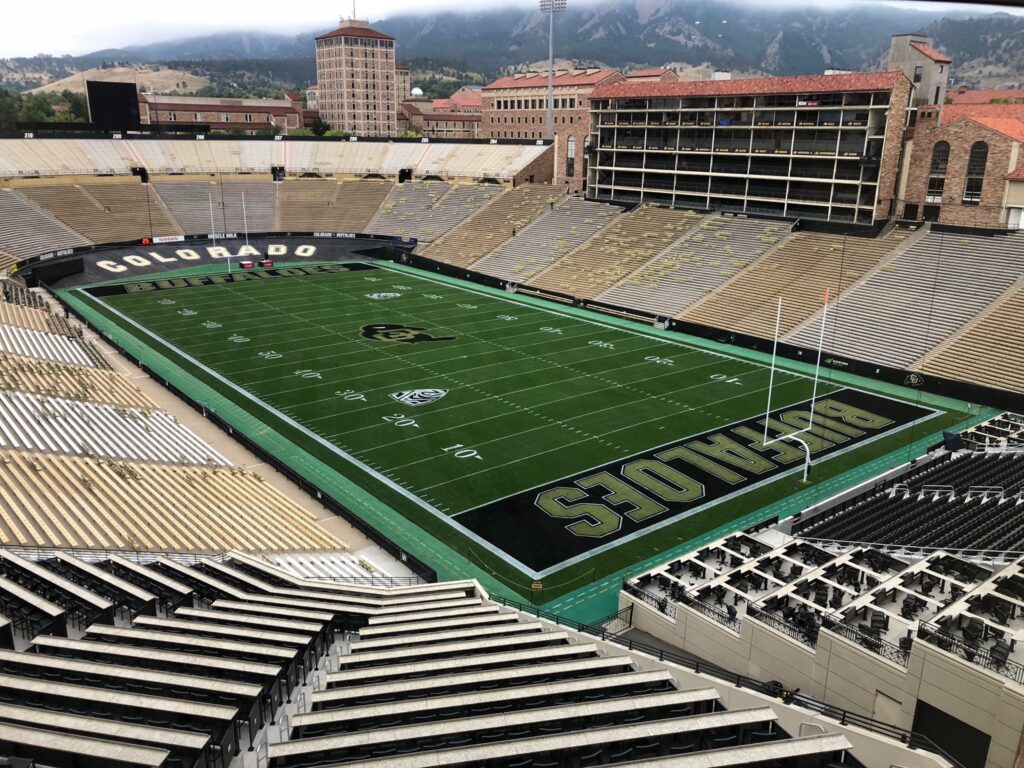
(914, 301)
(62, 157)
(326, 565)
(34, 423)
(44, 346)
(28, 230)
(694, 266)
(555, 234)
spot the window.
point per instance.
(248, 117)
(937, 172)
(570, 157)
(918, 74)
(975, 173)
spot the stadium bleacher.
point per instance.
(555, 234)
(29, 230)
(978, 352)
(190, 203)
(495, 223)
(917, 298)
(73, 382)
(628, 243)
(799, 271)
(428, 210)
(703, 259)
(243, 646)
(106, 212)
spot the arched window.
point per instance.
(937, 172)
(975, 173)
(940, 158)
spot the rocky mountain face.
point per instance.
(745, 37)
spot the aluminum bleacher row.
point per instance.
(112, 662)
(941, 303)
(91, 157)
(919, 297)
(87, 460)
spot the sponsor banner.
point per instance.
(169, 239)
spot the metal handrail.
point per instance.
(805, 636)
(662, 604)
(712, 612)
(936, 636)
(874, 644)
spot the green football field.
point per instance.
(540, 443)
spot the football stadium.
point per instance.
(698, 446)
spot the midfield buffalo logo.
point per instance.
(404, 333)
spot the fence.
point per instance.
(805, 635)
(976, 655)
(842, 716)
(874, 644)
(662, 604)
(712, 612)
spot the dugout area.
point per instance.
(547, 450)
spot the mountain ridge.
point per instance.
(746, 38)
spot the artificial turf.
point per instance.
(349, 364)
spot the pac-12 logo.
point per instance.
(415, 397)
(405, 333)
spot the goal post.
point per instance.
(795, 436)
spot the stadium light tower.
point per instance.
(551, 7)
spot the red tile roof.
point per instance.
(984, 97)
(589, 77)
(1017, 175)
(952, 112)
(931, 53)
(804, 84)
(356, 32)
(649, 72)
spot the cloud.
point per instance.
(72, 26)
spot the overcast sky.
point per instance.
(76, 27)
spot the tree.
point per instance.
(301, 132)
(9, 107)
(77, 105)
(337, 134)
(35, 108)
(320, 127)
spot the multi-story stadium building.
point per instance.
(357, 80)
(822, 147)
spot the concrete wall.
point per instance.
(846, 675)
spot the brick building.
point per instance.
(250, 115)
(403, 82)
(357, 80)
(964, 166)
(821, 146)
(515, 107)
(925, 67)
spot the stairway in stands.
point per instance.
(233, 661)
